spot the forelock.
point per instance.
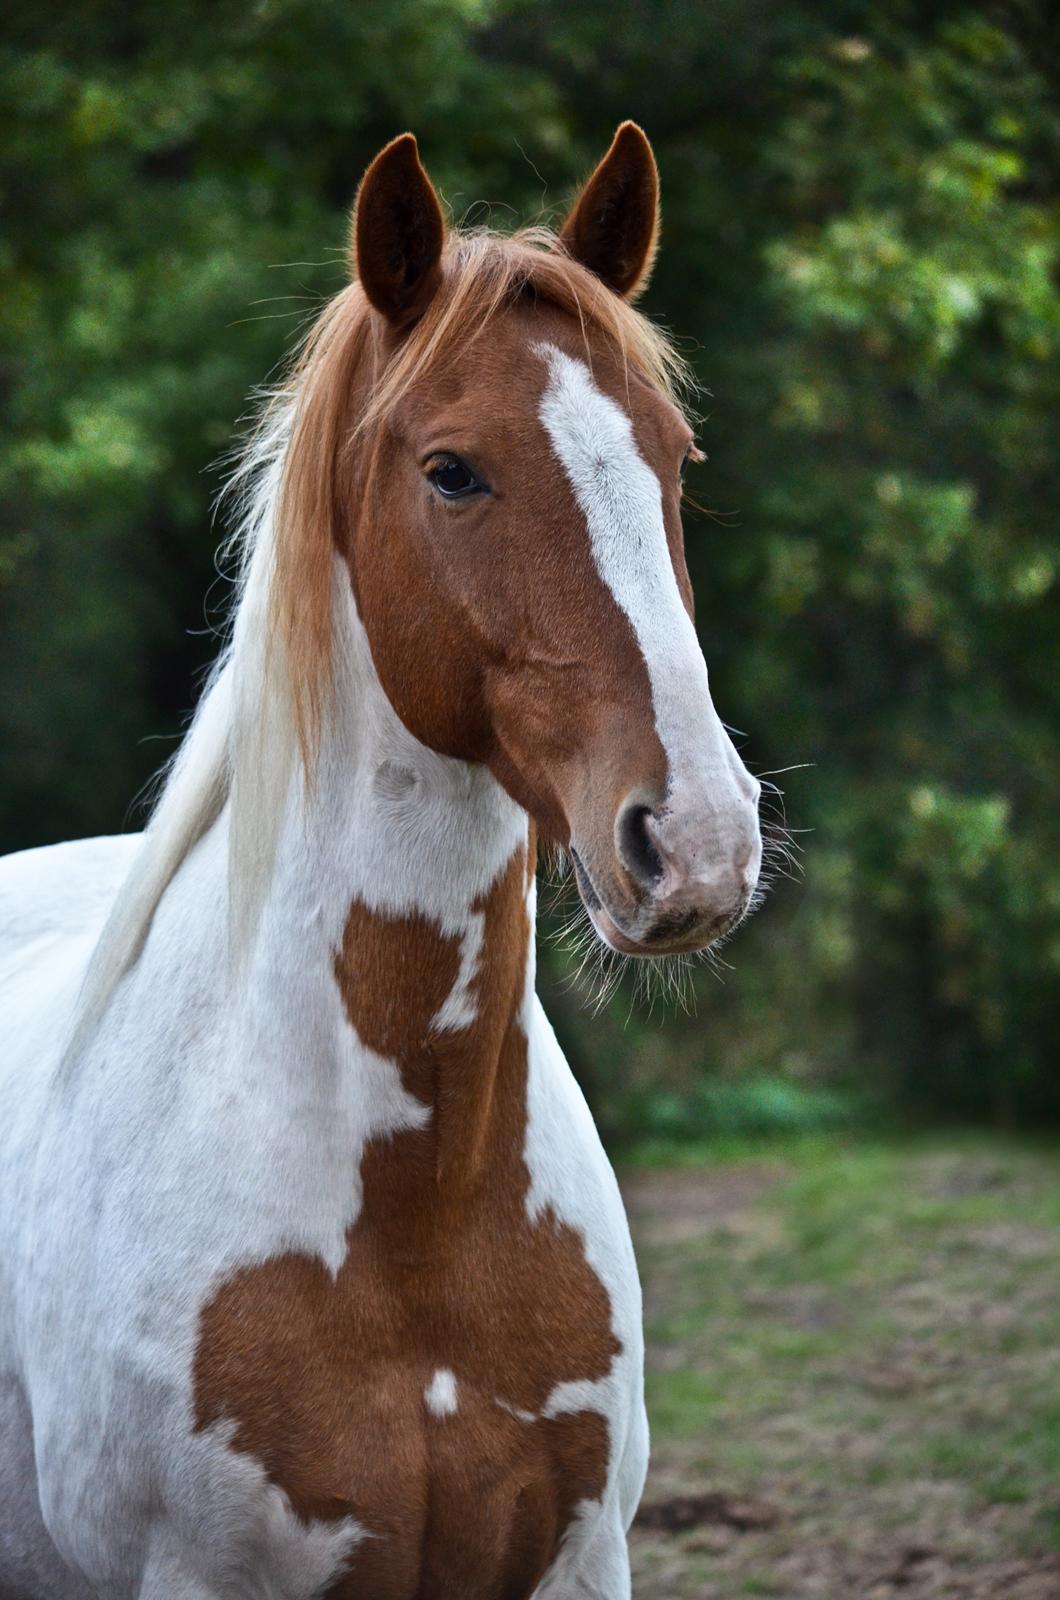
(484, 273)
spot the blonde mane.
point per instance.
(261, 714)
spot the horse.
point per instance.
(316, 1280)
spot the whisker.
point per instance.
(776, 772)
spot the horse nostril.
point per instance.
(636, 850)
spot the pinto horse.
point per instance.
(315, 1278)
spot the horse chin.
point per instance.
(610, 934)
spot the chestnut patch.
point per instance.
(325, 1378)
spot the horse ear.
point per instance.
(398, 233)
(613, 227)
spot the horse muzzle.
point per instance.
(678, 872)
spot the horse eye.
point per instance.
(453, 480)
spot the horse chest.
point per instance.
(422, 1390)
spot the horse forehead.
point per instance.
(618, 446)
(556, 347)
(497, 385)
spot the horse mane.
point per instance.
(260, 716)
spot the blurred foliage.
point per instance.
(859, 243)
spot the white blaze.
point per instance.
(621, 500)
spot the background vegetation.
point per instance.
(859, 239)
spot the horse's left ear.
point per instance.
(398, 233)
(613, 227)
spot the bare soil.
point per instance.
(853, 1377)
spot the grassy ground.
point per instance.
(853, 1372)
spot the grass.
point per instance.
(867, 1337)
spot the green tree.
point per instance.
(177, 179)
(859, 247)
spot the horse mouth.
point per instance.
(604, 925)
(588, 893)
(671, 936)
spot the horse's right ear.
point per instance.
(398, 233)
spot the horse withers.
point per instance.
(314, 1277)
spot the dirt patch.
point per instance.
(717, 1563)
(927, 1575)
(669, 1207)
(693, 1510)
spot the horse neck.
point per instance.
(403, 888)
